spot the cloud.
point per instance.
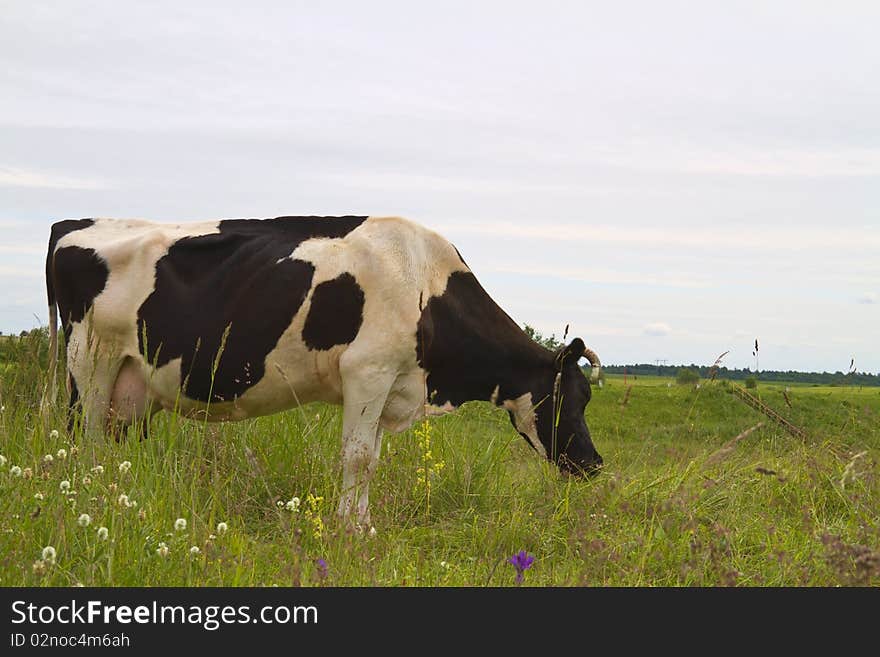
(764, 238)
(868, 298)
(14, 177)
(657, 329)
(597, 275)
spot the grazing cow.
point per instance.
(226, 320)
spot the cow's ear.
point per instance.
(574, 350)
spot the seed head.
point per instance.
(180, 524)
(124, 467)
(48, 458)
(61, 454)
(222, 528)
(84, 520)
(103, 533)
(162, 550)
(194, 550)
(53, 434)
(64, 485)
(15, 471)
(49, 554)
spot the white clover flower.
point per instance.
(53, 434)
(15, 471)
(444, 565)
(84, 520)
(211, 537)
(38, 496)
(162, 550)
(125, 466)
(48, 458)
(222, 528)
(123, 500)
(194, 550)
(279, 504)
(180, 524)
(292, 504)
(27, 473)
(49, 554)
(61, 454)
(64, 486)
(98, 469)
(103, 533)
(2, 460)
(86, 480)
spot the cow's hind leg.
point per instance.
(364, 399)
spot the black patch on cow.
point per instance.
(240, 283)
(59, 230)
(468, 345)
(78, 276)
(336, 313)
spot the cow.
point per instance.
(238, 318)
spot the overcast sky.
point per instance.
(672, 179)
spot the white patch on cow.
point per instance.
(524, 419)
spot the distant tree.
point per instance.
(751, 382)
(23, 334)
(551, 343)
(687, 376)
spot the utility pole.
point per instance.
(657, 361)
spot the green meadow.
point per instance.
(688, 497)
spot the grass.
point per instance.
(668, 510)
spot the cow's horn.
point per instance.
(591, 356)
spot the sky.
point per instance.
(672, 180)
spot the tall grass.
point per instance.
(668, 509)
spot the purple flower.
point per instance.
(522, 561)
(322, 568)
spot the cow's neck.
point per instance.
(472, 350)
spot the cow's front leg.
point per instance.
(360, 448)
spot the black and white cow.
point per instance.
(226, 320)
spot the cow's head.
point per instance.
(559, 417)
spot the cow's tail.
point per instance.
(50, 392)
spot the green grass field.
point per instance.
(677, 503)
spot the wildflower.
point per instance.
(98, 469)
(194, 550)
(61, 454)
(86, 480)
(142, 515)
(53, 434)
(49, 554)
(39, 567)
(313, 514)
(48, 458)
(323, 569)
(372, 533)
(2, 460)
(162, 550)
(522, 561)
(103, 533)
(27, 473)
(124, 467)
(279, 504)
(180, 524)
(39, 496)
(64, 486)
(84, 520)
(74, 450)
(15, 471)
(222, 528)
(292, 504)
(444, 565)
(123, 500)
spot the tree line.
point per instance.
(705, 371)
